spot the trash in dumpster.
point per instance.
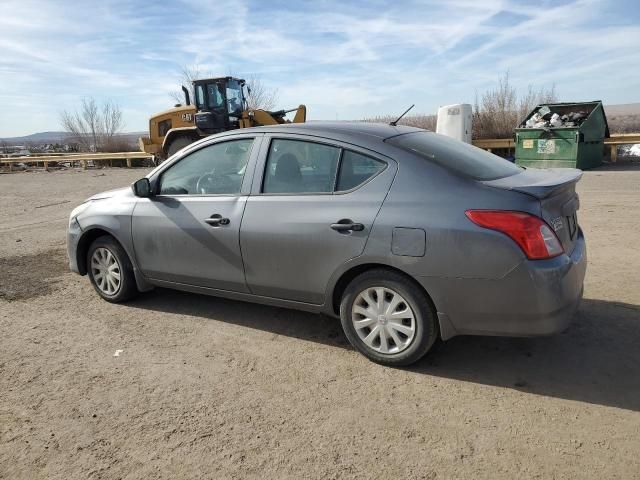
(556, 120)
(535, 120)
(544, 118)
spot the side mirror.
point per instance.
(142, 188)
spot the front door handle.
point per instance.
(344, 226)
(217, 220)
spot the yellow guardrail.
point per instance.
(494, 143)
(81, 158)
(614, 141)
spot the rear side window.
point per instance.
(295, 166)
(355, 169)
(456, 156)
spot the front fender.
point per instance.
(111, 217)
(177, 132)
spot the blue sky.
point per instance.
(344, 60)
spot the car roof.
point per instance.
(352, 132)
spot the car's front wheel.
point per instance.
(110, 270)
(388, 318)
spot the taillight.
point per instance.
(531, 233)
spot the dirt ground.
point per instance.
(211, 388)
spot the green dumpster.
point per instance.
(562, 135)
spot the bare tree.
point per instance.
(111, 122)
(186, 77)
(428, 122)
(92, 127)
(500, 110)
(260, 96)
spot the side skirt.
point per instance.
(245, 297)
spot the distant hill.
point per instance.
(58, 137)
(625, 109)
(40, 137)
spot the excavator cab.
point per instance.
(219, 103)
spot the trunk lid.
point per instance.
(556, 191)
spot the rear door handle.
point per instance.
(217, 220)
(347, 227)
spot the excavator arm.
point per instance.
(301, 115)
(258, 117)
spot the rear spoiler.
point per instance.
(538, 183)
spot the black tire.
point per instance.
(178, 144)
(127, 288)
(426, 324)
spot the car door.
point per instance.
(312, 207)
(188, 232)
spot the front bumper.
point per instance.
(538, 297)
(73, 237)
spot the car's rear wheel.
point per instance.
(388, 318)
(110, 270)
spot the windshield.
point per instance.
(457, 156)
(234, 97)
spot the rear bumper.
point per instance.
(536, 298)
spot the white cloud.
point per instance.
(341, 59)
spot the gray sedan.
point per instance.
(407, 236)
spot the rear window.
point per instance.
(456, 156)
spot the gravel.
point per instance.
(212, 388)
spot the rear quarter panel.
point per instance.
(426, 196)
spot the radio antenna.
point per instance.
(395, 122)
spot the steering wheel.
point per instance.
(212, 183)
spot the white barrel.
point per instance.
(455, 121)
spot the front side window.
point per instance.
(295, 166)
(213, 170)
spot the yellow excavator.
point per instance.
(220, 105)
